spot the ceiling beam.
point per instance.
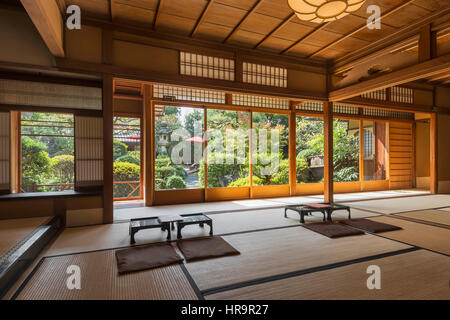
(47, 18)
(277, 28)
(418, 71)
(309, 34)
(360, 28)
(410, 30)
(201, 18)
(238, 26)
(157, 14)
(177, 42)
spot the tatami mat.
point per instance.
(274, 252)
(99, 280)
(13, 231)
(418, 234)
(414, 275)
(436, 216)
(89, 238)
(397, 205)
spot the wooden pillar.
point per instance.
(108, 206)
(328, 151)
(15, 152)
(292, 150)
(434, 178)
(361, 154)
(148, 145)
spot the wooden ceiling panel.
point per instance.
(240, 4)
(276, 44)
(431, 5)
(259, 23)
(213, 32)
(98, 8)
(293, 31)
(138, 4)
(246, 39)
(350, 44)
(405, 16)
(375, 34)
(224, 15)
(178, 8)
(275, 8)
(180, 25)
(346, 24)
(322, 38)
(130, 15)
(304, 49)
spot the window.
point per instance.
(47, 152)
(309, 150)
(346, 150)
(264, 75)
(198, 65)
(270, 147)
(179, 147)
(260, 101)
(173, 93)
(127, 158)
(228, 148)
(375, 139)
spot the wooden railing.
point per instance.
(135, 190)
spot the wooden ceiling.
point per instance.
(267, 25)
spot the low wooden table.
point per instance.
(167, 223)
(147, 223)
(326, 211)
(196, 218)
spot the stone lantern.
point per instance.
(163, 137)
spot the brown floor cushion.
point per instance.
(146, 257)
(370, 226)
(332, 230)
(204, 248)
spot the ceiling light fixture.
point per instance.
(320, 11)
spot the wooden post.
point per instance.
(361, 154)
(148, 150)
(108, 206)
(434, 178)
(328, 151)
(292, 150)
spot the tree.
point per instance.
(63, 168)
(35, 162)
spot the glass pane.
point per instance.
(127, 158)
(346, 150)
(47, 155)
(374, 141)
(228, 149)
(179, 147)
(309, 142)
(270, 144)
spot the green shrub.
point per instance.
(120, 149)
(124, 171)
(164, 172)
(303, 172)
(63, 168)
(163, 162)
(130, 158)
(175, 182)
(36, 163)
(245, 182)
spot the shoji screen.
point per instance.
(88, 152)
(4, 151)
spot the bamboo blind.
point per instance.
(27, 93)
(4, 150)
(89, 151)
